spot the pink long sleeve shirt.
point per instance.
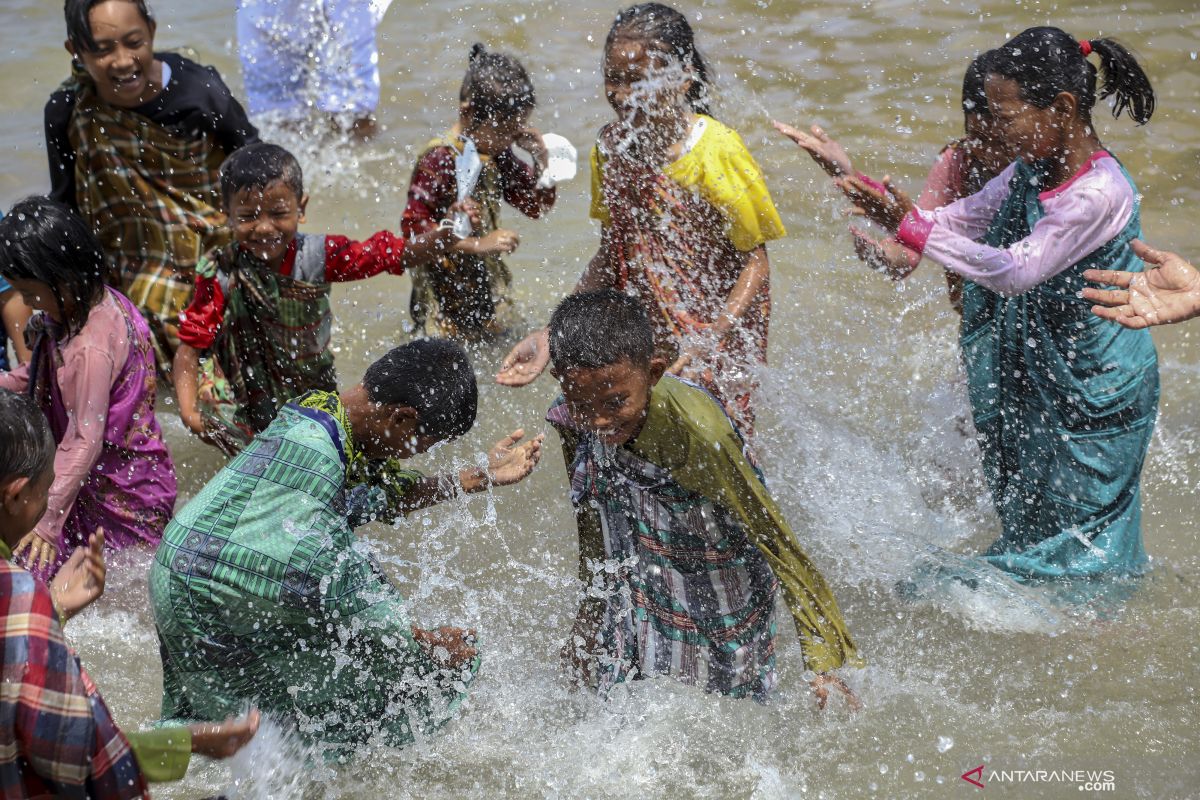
(1083, 214)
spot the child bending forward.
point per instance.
(682, 546)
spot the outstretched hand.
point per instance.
(1167, 292)
(80, 581)
(829, 155)
(223, 739)
(887, 209)
(526, 360)
(824, 681)
(510, 462)
(886, 255)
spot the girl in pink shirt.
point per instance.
(92, 373)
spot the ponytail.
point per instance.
(1124, 80)
(1044, 62)
(496, 86)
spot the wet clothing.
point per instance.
(268, 333)
(57, 737)
(679, 237)
(1064, 402)
(302, 54)
(146, 180)
(462, 295)
(262, 594)
(683, 549)
(97, 388)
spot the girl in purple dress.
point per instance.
(92, 373)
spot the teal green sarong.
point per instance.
(261, 595)
(1064, 403)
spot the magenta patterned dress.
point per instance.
(97, 388)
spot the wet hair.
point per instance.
(496, 86)
(597, 329)
(257, 166)
(663, 26)
(974, 97)
(43, 240)
(26, 444)
(432, 376)
(79, 24)
(1045, 62)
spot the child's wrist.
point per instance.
(473, 480)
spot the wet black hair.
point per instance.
(79, 24)
(257, 166)
(1046, 61)
(974, 97)
(43, 240)
(433, 377)
(663, 25)
(496, 86)
(597, 329)
(26, 444)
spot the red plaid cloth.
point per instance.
(57, 738)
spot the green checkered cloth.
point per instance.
(261, 594)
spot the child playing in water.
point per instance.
(684, 210)
(261, 310)
(467, 294)
(1064, 404)
(134, 139)
(961, 169)
(677, 532)
(92, 374)
(60, 740)
(303, 54)
(261, 591)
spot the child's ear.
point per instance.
(10, 492)
(1065, 105)
(303, 206)
(658, 366)
(401, 421)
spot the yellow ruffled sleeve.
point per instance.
(727, 176)
(598, 209)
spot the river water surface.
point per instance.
(862, 424)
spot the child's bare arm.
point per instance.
(16, 315)
(509, 462)
(756, 270)
(186, 372)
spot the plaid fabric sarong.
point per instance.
(685, 591)
(57, 737)
(274, 342)
(153, 200)
(261, 593)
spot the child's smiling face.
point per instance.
(265, 221)
(611, 401)
(122, 65)
(642, 83)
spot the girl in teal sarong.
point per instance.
(1064, 404)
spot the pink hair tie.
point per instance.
(1085, 47)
